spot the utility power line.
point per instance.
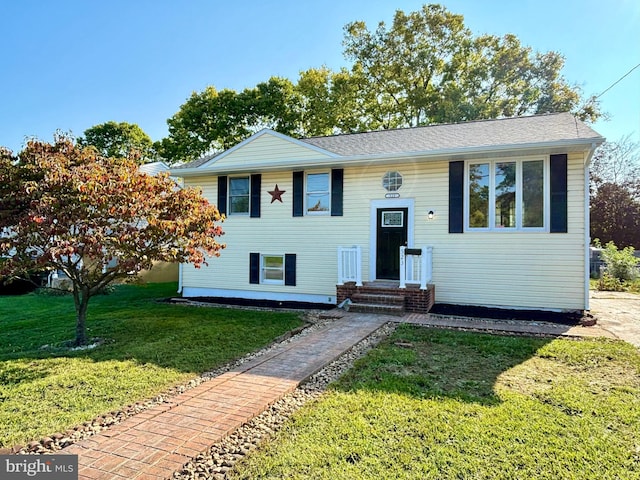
(617, 81)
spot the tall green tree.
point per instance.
(428, 67)
(403, 68)
(211, 121)
(113, 139)
(331, 102)
(276, 105)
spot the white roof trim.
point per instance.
(557, 146)
(151, 165)
(264, 131)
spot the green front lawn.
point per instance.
(435, 404)
(149, 347)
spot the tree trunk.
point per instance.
(81, 299)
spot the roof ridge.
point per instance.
(463, 122)
(543, 130)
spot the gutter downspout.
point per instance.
(180, 278)
(587, 225)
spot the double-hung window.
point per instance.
(506, 194)
(239, 195)
(318, 194)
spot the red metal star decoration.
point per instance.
(276, 194)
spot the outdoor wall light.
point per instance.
(431, 214)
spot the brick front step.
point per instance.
(415, 300)
(395, 300)
(377, 308)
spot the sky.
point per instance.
(69, 65)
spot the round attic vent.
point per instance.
(392, 181)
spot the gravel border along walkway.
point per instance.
(222, 457)
(57, 441)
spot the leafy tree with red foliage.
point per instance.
(615, 193)
(615, 216)
(97, 219)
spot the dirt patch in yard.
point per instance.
(618, 313)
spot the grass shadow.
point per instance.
(148, 347)
(134, 326)
(430, 403)
(26, 371)
(427, 363)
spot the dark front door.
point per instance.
(391, 235)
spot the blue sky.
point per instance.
(70, 64)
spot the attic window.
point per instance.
(392, 181)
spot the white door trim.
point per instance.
(407, 203)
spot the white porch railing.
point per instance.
(416, 266)
(350, 265)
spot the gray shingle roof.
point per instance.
(515, 131)
(483, 133)
(198, 162)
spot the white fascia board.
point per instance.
(589, 155)
(159, 165)
(560, 146)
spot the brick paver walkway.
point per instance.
(155, 443)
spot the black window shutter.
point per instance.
(254, 268)
(222, 194)
(254, 207)
(337, 181)
(456, 197)
(559, 215)
(298, 194)
(290, 269)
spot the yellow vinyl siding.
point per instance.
(311, 238)
(509, 269)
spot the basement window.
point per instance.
(272, 269)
